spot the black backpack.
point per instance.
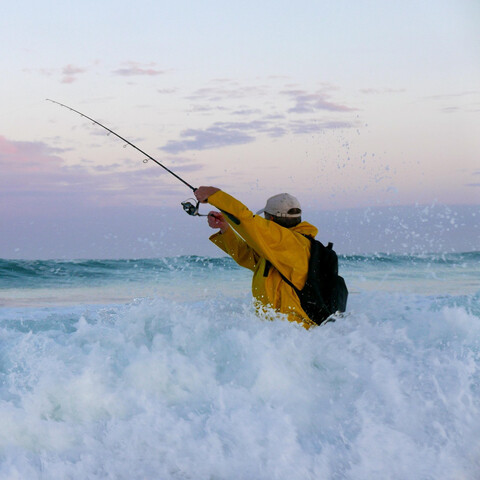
(325, 291)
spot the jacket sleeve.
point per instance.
(236, 247)
(287, 251)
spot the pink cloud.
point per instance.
(25, 158)
(6, 148)
(72, 70)
(70, 73)
(36, 179)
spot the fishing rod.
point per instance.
(187, 205)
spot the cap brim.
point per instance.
(260, 211)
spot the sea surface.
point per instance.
(161, 369)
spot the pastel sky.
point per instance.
(345, 104)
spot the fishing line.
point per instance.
(124, 140)
(187, 206)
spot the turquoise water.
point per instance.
(160, 369)
(40, 282)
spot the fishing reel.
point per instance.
(192, 209)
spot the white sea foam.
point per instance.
(206, 390)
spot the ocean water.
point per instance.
(160, 369)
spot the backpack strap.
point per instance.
(266, 271)
(289, 282)
(311, 296)
(268, 266)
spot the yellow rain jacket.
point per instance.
(254, 241)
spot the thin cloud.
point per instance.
(132, 69)
(207, 108)
(166, 91)
(223, 134)
(462, 101)
(474, 184)
(46, 72)
(257, 126)
(453, 95)
(247, 112)
(380, 91)
(68, 74)
(309, 127)
(71, 72)
(312, 102)
(107, 168)
(274, 124)
(220, 93)
(276, 131)
(274, 116)
(216, 136)
(450, 109)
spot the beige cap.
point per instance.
(282, 205)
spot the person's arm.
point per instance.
(227, 240)
(237, 248)
(288, 252)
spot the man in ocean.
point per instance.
(271, 247)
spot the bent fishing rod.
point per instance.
(187, 205)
